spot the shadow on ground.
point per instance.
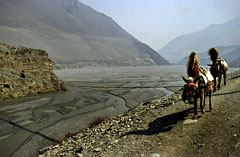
(162, 124)
(233, 92)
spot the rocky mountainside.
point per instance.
(230, 53)
(25, 71)
(224, 34)
(72, 33)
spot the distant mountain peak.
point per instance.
(227, 33)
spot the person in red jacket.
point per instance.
(193, 66)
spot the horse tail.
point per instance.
(213, 53)
(193, 65)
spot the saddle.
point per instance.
(218, 66)
(220, 63)
(206, 75)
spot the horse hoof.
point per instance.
(211, 107)
(203, 111)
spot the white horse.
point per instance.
(217, 70)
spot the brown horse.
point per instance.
(218, 68)
(198, 84)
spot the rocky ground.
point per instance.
(163, 127)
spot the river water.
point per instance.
(31, 123)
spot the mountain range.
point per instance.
(230, 53)
(72, 33)
(216, 35)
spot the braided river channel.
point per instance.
(31, 123)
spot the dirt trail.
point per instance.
(164, 127)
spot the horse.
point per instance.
(198, 85)
(218, 68)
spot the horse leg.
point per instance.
(202, 100)
(219, 81)
(210, 101)
(225, 76)
(204, 103)
(195, 105)
(215, 84)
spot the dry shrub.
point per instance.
(96, 121)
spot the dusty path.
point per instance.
(164, 127)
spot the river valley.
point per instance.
(31, 123)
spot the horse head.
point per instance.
(189, 90)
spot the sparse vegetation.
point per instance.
(96, 122)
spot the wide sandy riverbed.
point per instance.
(30, 123)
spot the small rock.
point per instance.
(103, 130)
(190, 121)
(235, 135)
(79, 155)
(120, 153)
(44, 150)
(155, 155)
(98, 149)
(228, 118)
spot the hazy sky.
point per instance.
(156, 22)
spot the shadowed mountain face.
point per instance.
(72, 32)
(224, 34)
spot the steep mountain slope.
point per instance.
(235, 58)
(224, 34)
(72, 32)
(230, 53)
